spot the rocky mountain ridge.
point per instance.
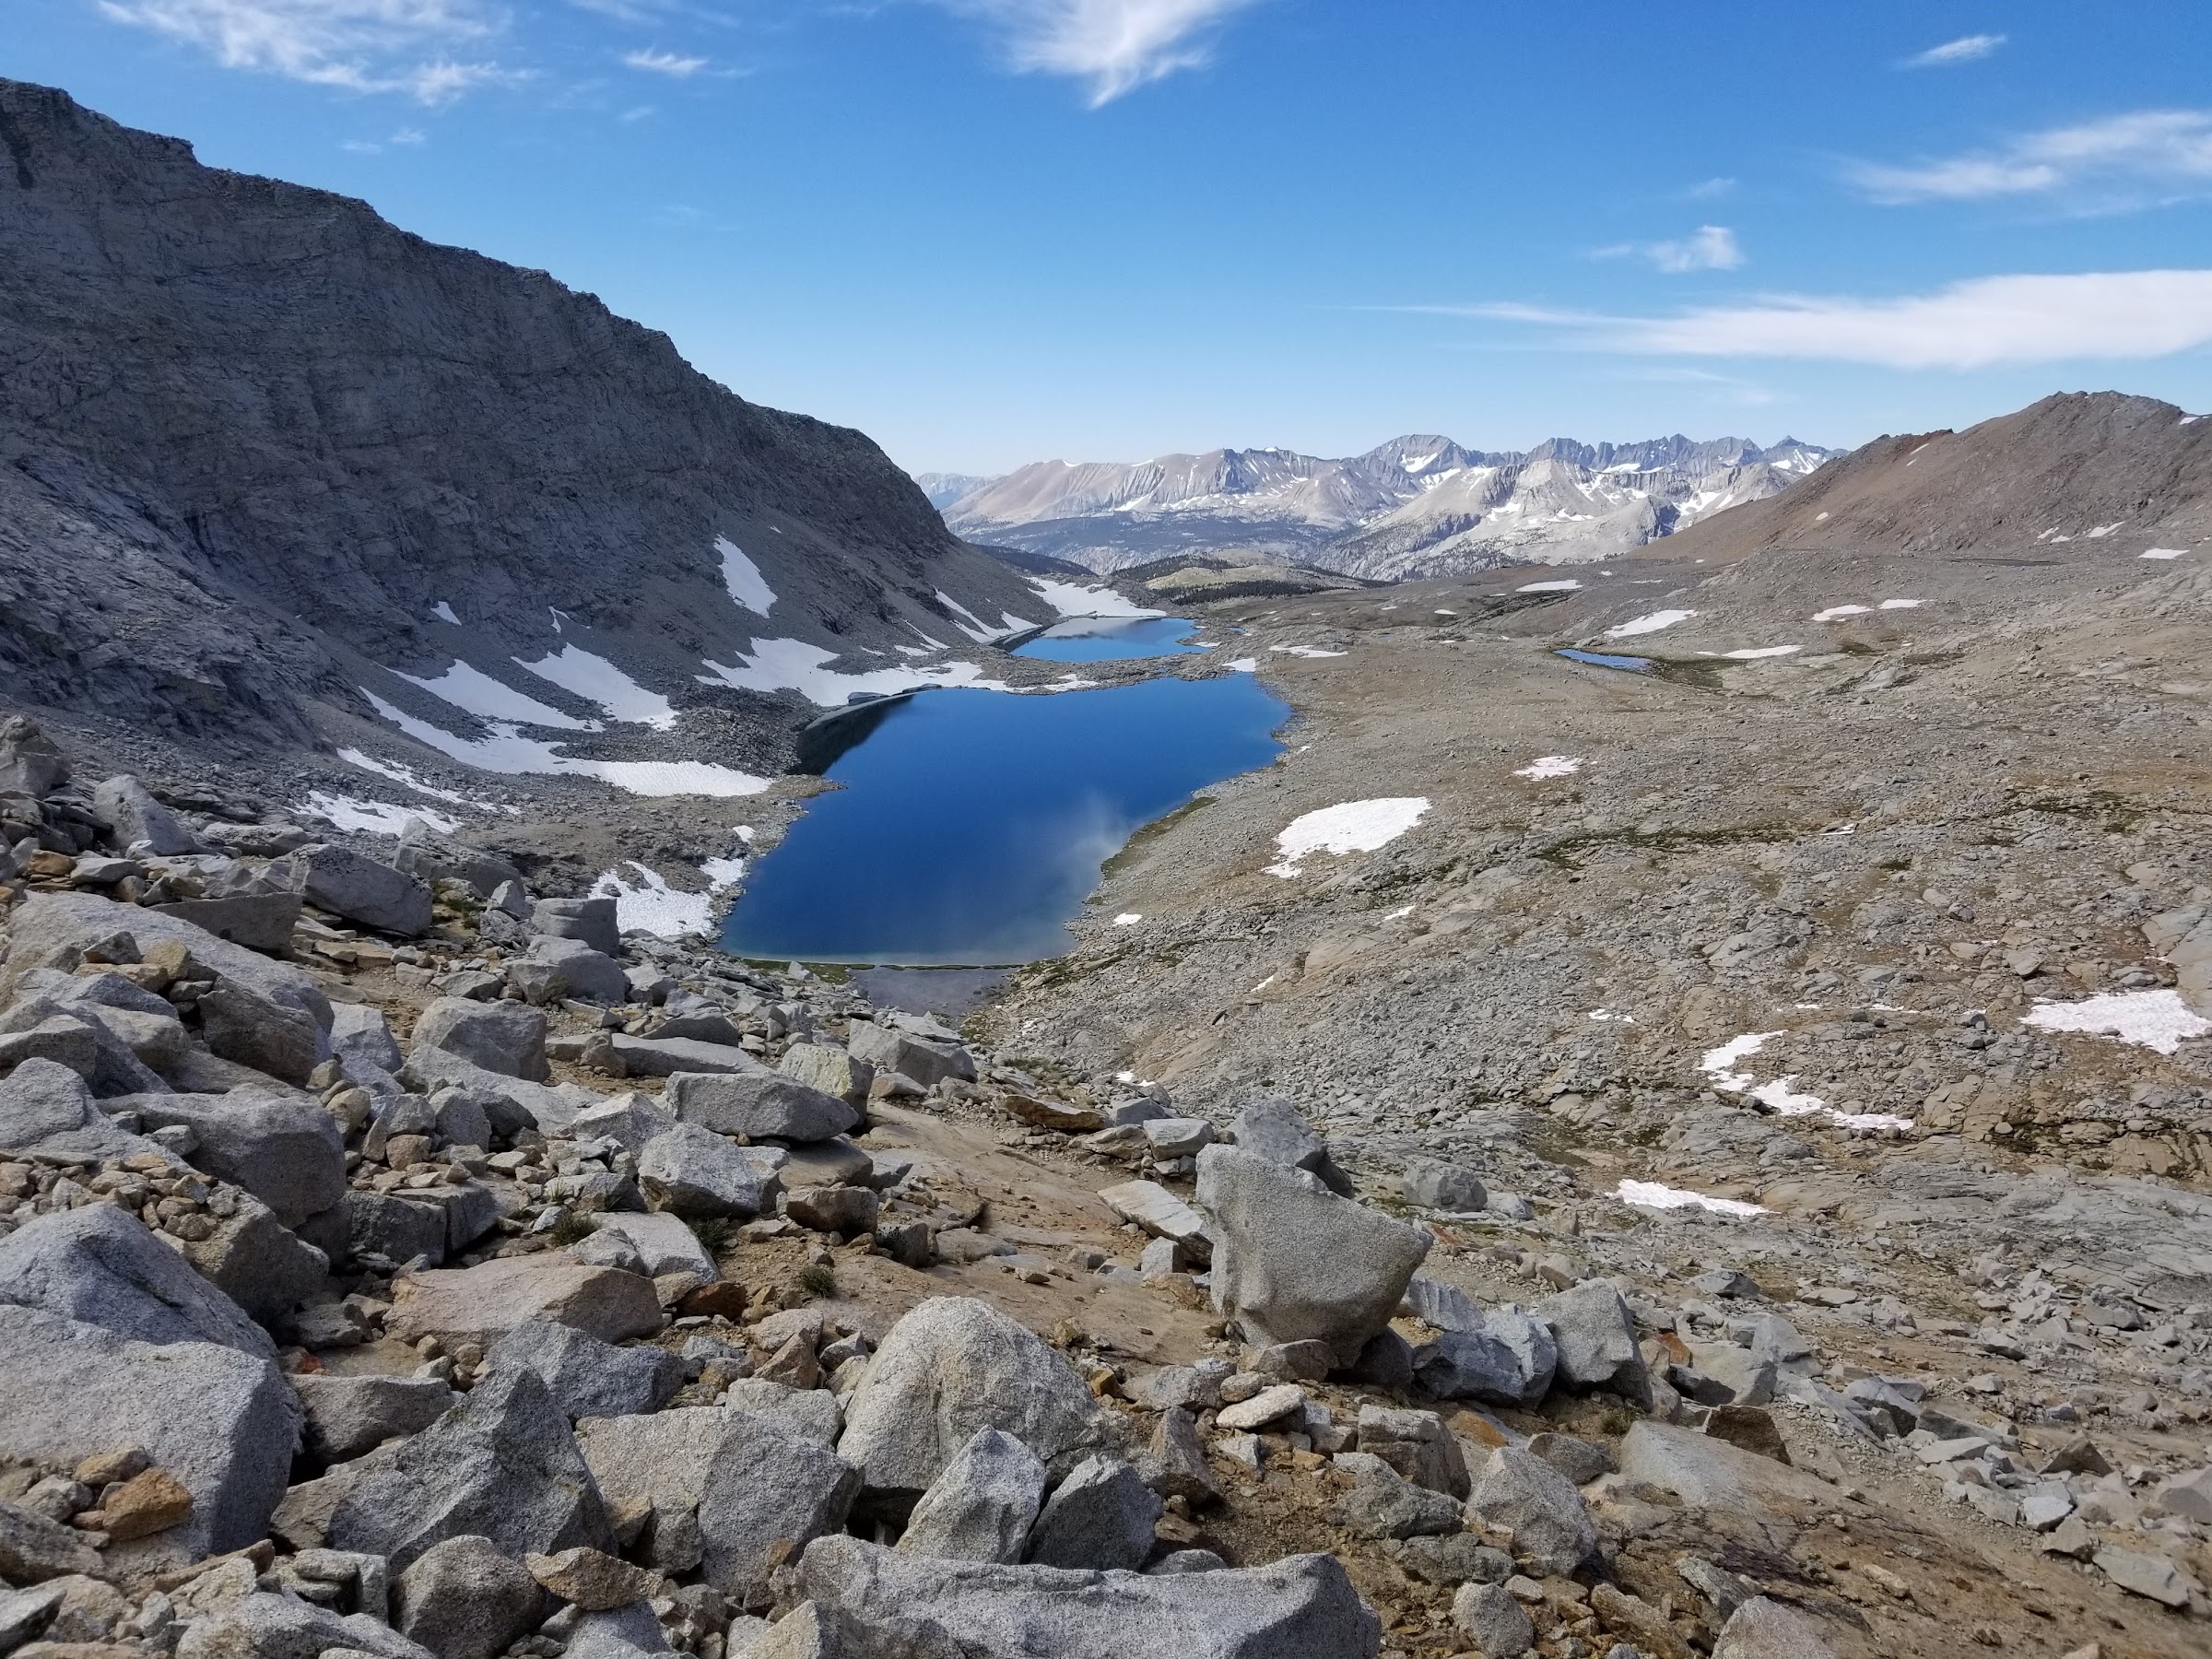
(2075, 475)
(1419, 505)
(277, 477)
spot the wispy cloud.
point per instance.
(1707, 190)
(1708, 248)
(1966, 49)
(2122, 160)
(655, 62)
(407, 137)
(1978, 324)
(364, 45)
(1114, 45)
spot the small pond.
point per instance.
(970, 825)
(1599, 659)
(1111, 638)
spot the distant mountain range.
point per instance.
(1417, 506)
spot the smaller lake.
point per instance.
(1599, 659)
(972, 825)
(1111, 638)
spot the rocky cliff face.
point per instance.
(262, 454)
(1417, 506)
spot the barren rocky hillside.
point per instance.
(264, 455)
(2077, 467)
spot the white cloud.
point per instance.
(1116, 45)
(2170, 151)
(1709, 248)
(1966, 49)
(1973, 325)
(364, 45)
(1707, 190)
(655, 62)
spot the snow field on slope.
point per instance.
(595, 679)
(1350, 827)
(1651, 622)
(742, 580)
(2154, 1020)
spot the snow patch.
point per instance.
(1400, 913)
(1837, 612)
(1567, 586)
(1351, 827)
(1074, 599)
(794, 666)
(2162, 553)
(595, 679)
(471, 689)
(2154, 1020)
(1778, 1097)
(1649, 623)
(974, 626)
(1900, 604)
(2098, 532)
(1651, 1194)
(1244, 665)
(1127, 919)
(1753, 653)
(1784, 1101)
(404, 776)
(1305, 650)
(742, 578)
(377, 818)
(507, 751)
(1552, 766)
(444, 612)
(1717, 1063)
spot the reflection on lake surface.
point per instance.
(1111, 638)
(972, 825)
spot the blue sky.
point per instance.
(991, 231)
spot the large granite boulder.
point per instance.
(1293, 1262)
(483, 1304)
(950, 1367)
(502, 1037)
(762, 1105)
(219, 1421)
(1298, 1607)
(282, 1148)
(100, 1266)
(503, 1465)
(348, 884)
(47, 1111)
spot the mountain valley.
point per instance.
(1667, 1116)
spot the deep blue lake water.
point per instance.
(1109, 639)
(972, 825)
